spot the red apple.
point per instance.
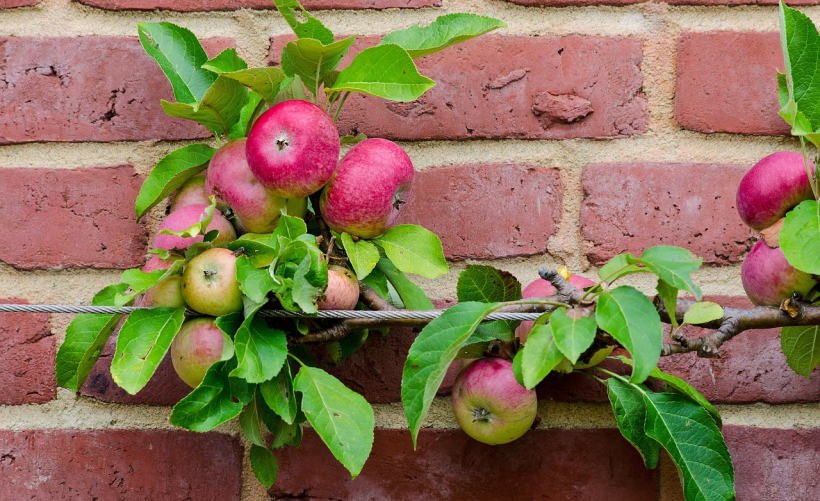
(775, 185)
(768, 278)
(198, 345)
(186, 217)
(364, 196)
(293, 149)
(542, 288)
(231, 182)
(209, 283)
(342, 291)
(192, 192)
(490, 405)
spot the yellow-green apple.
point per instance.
(342, 291)
(198, 345)
(490, 405)
(768, 278)
(192, 192)
(209, 283)
(364, 196)
(186, 217)
(168, 292)
(231, 182)
(293, 149)
(542, 288)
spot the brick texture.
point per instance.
(573, 3)
(448, 465)
(487, 211)
(204, 5)
(86, 89)
(126, 465)
(511, 87)
(726, 82)
(629, 207)
(7, 4)
(26, 358)
(81, 218)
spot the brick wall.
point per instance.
(683, 100)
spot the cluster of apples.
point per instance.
(773, 187)
(291, 152)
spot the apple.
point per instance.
(198, 345)
(293, 149)
(775, 185)
(168, 292)
(768, 278)
(186, 217)
(192, 192)
(364, 196)
(489, 404)
(231, 182)
(342, 291)
(209, 283)
(542, 288)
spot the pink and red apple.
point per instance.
(342, 291)
(186, 217)
(192, 192)
(198, 345)
(209, 283)
(364, 196)
(293, 149)
(489, 404)
(768, 278)
(542, 288)
(231, 182)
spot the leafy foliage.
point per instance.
(446, 31)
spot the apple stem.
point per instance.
(341, 103)
(481, 414)
(812, 177)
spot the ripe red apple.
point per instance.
(342, 291)
(168, 292)
(198, 345)
(231, 182)
(186, 217)
(775, 185)
(192, 192)
(364, 196)
(542, 288)
(209, 283)
(768, 278)
(490, 405)
(293, 149)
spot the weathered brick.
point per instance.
(492, 87)
(205, 5)
(737, 2)
(726, 82)
(571, 3)
(78, 89)
(119, 464)
(629, 207)
(61, 218)
(487, 211)
(450, 466)
(7, 4)
(26, 357)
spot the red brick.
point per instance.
(488, 87)
(629, 207)
(573, 3)
(726, 82)
(124, 465)
(77, 89)
(7, 4)
(487, 211)
(27, 357)
(204, 5)
(738, 2)
(81, 217)
(559, 465)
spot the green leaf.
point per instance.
(351, 140)
(312, 28)
(219, 108)
(141, 345)
(230, 323)
(180, 55)
(300, 273)
(446, 31)
(801, 345)
(170, 173)
(260, 249)
(254, 283)
(225, 62)
(630, 414)
(84, 340)
(487, 284)
(249, 421)
(140, 282)
(108, 295)
(210, 404)
(290, 227)
(253, 107)
(701, 313)
(311, 59)
(279, 396)
(632, 320)
(413, 297)
(260, 350)
(431, 354)
(266, 81)
(802, 225)
(378, 281)
(693, 441)
(619, 267)
(414, 249)
(363, 255)
(801, 53)
(539, 356)
(292, 88)
(385, 71)
(673, 265)
(573, 335)
(342, 418)
(264, 465)
(669, 296)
